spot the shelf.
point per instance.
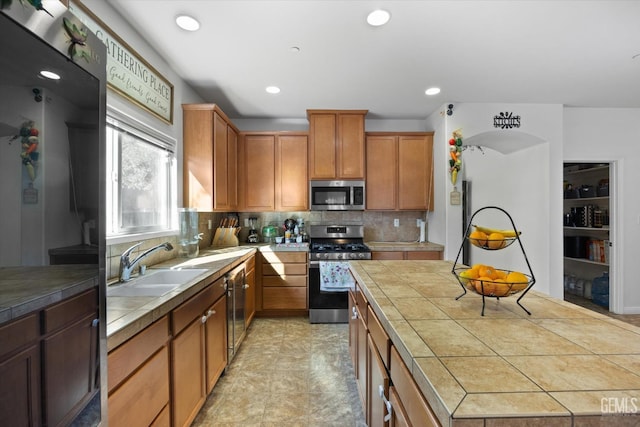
(585, 261)
(587, 170)
(587, 199)
(587, 228)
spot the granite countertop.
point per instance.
(404, 246)
(507, 367)
(126, 316)
(24, 290)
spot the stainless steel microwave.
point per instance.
(336, 195)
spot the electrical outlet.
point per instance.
(418, 222)
(209, 224)
(396, 222)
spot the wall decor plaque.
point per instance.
(127, 72)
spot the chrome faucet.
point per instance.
(127, 266)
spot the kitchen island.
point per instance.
(562, 366)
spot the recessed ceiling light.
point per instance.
(378, 17)
(187, 23)
(273, 89)
(50, 75)
(432, 91)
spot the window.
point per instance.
(141, 177)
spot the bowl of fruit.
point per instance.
(490, 281)
(492, 239)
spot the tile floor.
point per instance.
(288, 372)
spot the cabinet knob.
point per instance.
(354, 312)
(203, 319)
(246, 286)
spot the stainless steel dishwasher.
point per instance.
(235, 285)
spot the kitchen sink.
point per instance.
(155, 283)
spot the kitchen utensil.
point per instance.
(290, 224)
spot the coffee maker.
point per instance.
(253, 233)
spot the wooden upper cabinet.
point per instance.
(399, 171)
(210, 158)
(258, 177)
(292, 182)
(273, 171)
(336, 144)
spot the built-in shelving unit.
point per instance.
(587, 215)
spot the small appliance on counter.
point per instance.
(269, 233)
(253, 233)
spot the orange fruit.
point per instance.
(519, 280)
(478, 238)
(485, 286)
(501, 274)
(496, 241)
(467, 275)
(488, 271)
(501, 288)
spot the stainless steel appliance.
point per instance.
(336, 195)
(330, 249)
(235, 285)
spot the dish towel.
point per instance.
(335, 277)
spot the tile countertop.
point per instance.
(24, 290)
(126, 316)
(562, 362)
(404, 246)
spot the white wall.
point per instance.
(182, 92)
(613, 134)
(526, 183)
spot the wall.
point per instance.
(613, 134)
(523, 183)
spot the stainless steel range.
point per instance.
(330, 249)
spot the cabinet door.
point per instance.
(322, 146)
(250, 296)
(423, 255)
(414, 172)
(69, 370)
(216, 341)
(353, 332)
(220, 163)
(362, 356)
(188, 373)
(399, 417)
(382, 173)
(292, 184)
(387, 255)
(232, 167)
(259, 180)
(198, 158)
(20, 388)
(378, 382)
(350, 146)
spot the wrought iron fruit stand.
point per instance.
(490, 287)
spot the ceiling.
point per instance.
(576, 53)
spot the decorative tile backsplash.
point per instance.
(378, 227)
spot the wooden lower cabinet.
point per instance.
(418, 411)
(283, 282)
(250, 291)
(353, 331)
(406, 255)
(198, 350)
(20, 388)
(361, 369)
(399, 417)
(48, 363)
(138, 371)
(378, 390)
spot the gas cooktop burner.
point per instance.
(337, 242)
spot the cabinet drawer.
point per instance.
(268, 281)
(70, 310)
(18, 334)
(424, 255)
(379, 337)
(284, 298)
(387, 255)
(417, 409)
(284, 257)
(148, 388)
(125, 359)
(277, 269)
(196, 306)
